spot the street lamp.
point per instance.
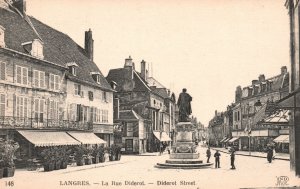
(257, 106)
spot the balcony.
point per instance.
(9, 122)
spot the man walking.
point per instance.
(217, 159)
(208, 154)
(232, 158)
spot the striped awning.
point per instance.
(86, 138)
(282, 139)
(233, 139)
(48, 138)
(226, 140)
(223, 139)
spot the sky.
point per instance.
(208, 47)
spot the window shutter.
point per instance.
(56, 82)
(42, 79)
(51, 81)
(2, 70)
(25, 76)
(21, 103)
(18, 107)
(35, 78)
(42, 106)
(25, 107)
(2, 104)
(18, 74)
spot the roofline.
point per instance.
(142, 80)
(89, 83)
(268, 79)
(32, 57)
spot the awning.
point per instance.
(226, 140)
(86, 138)
(164, 137)
(279, 117)
(223, 139)
(282, 139)
(48, 138)
(233, 139)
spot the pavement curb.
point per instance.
(251, 155)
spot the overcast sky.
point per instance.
(208, 47)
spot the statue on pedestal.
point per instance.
(184, 105)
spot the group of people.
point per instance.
(217, 157)
(270, 156)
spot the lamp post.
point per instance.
(257, 106)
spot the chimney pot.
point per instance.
(261, 78)
(254, 82)
(144, 71)
(283, 70)
(20, 5)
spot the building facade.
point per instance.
(253, 104)
(156, 106)
(49, 86)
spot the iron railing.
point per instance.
(9, 122)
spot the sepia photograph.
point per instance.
(149, 94)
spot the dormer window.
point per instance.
(72, 68)
(2, 42)
(96, 76)
(35, 48)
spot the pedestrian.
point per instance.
(232, 158)
(270, 154)
(208, 154)
(274, 154)
(217, 159)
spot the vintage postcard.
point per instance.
(195, 94)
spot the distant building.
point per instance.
(152, 104)
(254, 103)
(216, 129)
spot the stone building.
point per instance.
(151, 103)
(216, 129)
(253, 103)
(50, 88)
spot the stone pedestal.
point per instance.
(184, 155)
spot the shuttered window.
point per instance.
(2, 105)
(77, 89)
(21, 107)
(21, 75)
(53, 110)
(39, 107)
(54, 82)
(104, 116)
(39, 79)
(2, 70)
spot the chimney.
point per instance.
(89, 44)
(128, 62)
(261, 78)
(20, 5)
(254, 82)
(129, 65)
(144, 72)
(283, 70)
(216, 112)
(238, 94)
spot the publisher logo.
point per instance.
(282, 181)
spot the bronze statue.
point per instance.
(184, 105)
